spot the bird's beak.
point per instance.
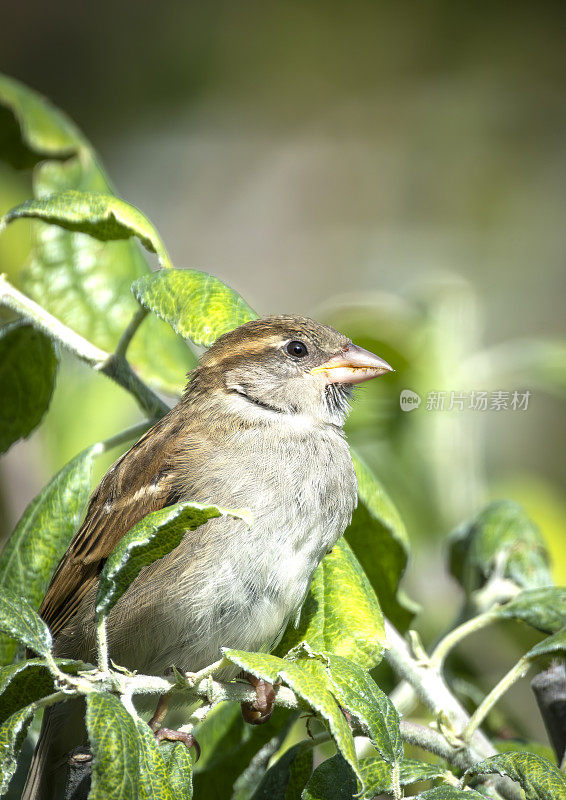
(352, 365)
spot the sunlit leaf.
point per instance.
(179, 769)
(104, 216)
(449, 793)
(19, 621)
(115, 747)
(539, 779)
(310, 688)
(43, 534)
(151, 538)
(28, 366)
(379, 540)
(341, 613)
(198, 306)
(356, 691)
(377, 774)
(153, 773)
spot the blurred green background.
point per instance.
(395, 169)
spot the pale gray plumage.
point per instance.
(257, 428)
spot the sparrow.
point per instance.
(259, 426)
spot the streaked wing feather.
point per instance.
(141, 481)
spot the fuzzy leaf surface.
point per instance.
(115, 747)
(377, 774)
(151, 538)
(104, 216)
(19, 621)
(43, 534)
(197, 306)
(309, 687)
(543, 609)
(28, 366)
(341, 613)
(539, 779)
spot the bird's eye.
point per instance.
(297, 349)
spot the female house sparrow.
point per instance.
(259, 427)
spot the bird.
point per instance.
(260, 427)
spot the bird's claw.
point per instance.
(170, 735)
(260, 710)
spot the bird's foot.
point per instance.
(261, 709)
(170, 735)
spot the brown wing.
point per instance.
(141, 481)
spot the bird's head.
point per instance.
(285, 365)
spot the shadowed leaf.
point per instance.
(28, 366)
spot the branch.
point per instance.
(429, 685)
(112, 365)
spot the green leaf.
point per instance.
(115, 747)
(82, 281)
(101, 215)
(179, 768)
(28, 366)
(356, 691)
(23, 683)
(12, 735)
(341, 613)
(379, 540)
(501, 540)
(228, 745)
(20, 621)
(310, 688)
(552, 645)
(543, 609)
(31, 128)
(539, 779)
(287, 777)
(153, 773)
(195, 304)
(151, 538)
(332, 780)
(376, 774)
(449, 793)
(42, 535)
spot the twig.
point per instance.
(455, 636)
(429, 685)
(518, 671)
(113, 366)
(129, 333)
